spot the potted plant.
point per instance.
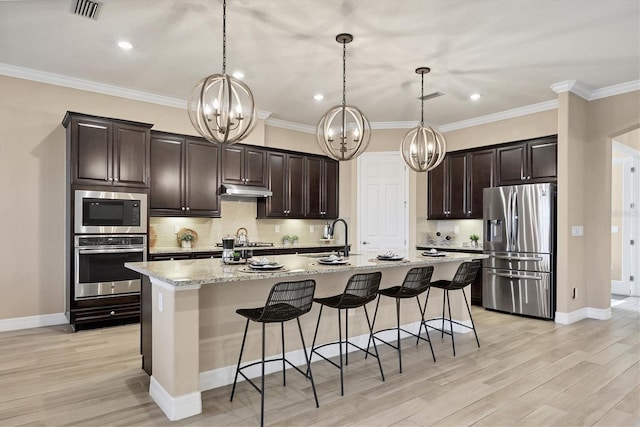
(186, 239)
(294, 239)
(474, 240)
(286, 240)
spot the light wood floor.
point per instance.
(527, 373)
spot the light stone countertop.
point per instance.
(456, 246)
(206, 271)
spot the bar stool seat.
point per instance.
(360, 290)
(286, 301)
(415, 283)
(465, 276)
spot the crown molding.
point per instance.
(588, 93)
(284, 124)
(91, 86)
(394, 125)
(503, 115)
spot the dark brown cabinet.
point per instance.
(527, 161)
(108, 151)
(448, 188)
(184, 176)
(321, 188)
(243, 165)
(481, 167)
(285, 172)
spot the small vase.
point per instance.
(186, 244)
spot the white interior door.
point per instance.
(383, 203)
(627, 214)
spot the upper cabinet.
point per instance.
(455, 187)
(108, 151)
(529, 161)
(244, 165)
(184, 176)
(303, 186)
(285, 173)
(321, 188)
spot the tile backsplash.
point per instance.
(457, 231)
(237, 213)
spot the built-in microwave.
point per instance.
(103, 212)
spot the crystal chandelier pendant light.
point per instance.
(221, 107)
(423, 148)
(344, 131)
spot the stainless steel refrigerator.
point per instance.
(519, 237)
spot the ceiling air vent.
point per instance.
(87, 8)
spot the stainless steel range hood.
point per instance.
(244, 191)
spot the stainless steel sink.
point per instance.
(324, 254)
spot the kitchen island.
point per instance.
(196, 334)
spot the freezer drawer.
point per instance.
(518, 261)
(520, 292)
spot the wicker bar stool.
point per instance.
(465, 275)
(360, 290)
(415, 283)
(286, 301)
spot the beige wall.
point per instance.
(32, 180)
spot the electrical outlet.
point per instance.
(574, 293)
(277, 228)
(456, 229)
(312, 229)
(176, 228)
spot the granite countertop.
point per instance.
(206, 271)
(178, 250)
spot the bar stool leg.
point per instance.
(453, 343)
(284, 375)
(340, 350)
(346, 336)
(315, 334)
(398, 332)
(375, 347)
(308, 360)
(375, 314)
(473, 326)
(235, 380)
(262, 382)
(422, 311)
(444, 300)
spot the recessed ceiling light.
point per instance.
(318, 97)
(475, 96)
(124, 45)
(238, 74)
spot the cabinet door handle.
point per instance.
(113, 313)
(187, 207)
(115, 179)
(183, 208)
(110, 179)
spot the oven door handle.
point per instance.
(109, 251)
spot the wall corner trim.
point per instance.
(583, 313)
(175, 408)
(18, 323)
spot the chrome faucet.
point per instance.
(346, 234)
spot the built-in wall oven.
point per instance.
(99, 265)
(104, 212)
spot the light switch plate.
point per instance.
(614, 229)
(277, 228)
(577, 230)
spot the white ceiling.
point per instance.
(510, 51)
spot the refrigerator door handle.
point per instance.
(507, 221)
(514, 221)
(517, 258)
(516, 276)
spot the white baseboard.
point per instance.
(224, 376)
(175, 408)
(583, 313)
(29, 322)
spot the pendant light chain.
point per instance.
(422, 101)
(224, 36)
(344, 73)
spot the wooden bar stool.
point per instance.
(465, 275)
(415, 283)
(360, 290)
(286, 301)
